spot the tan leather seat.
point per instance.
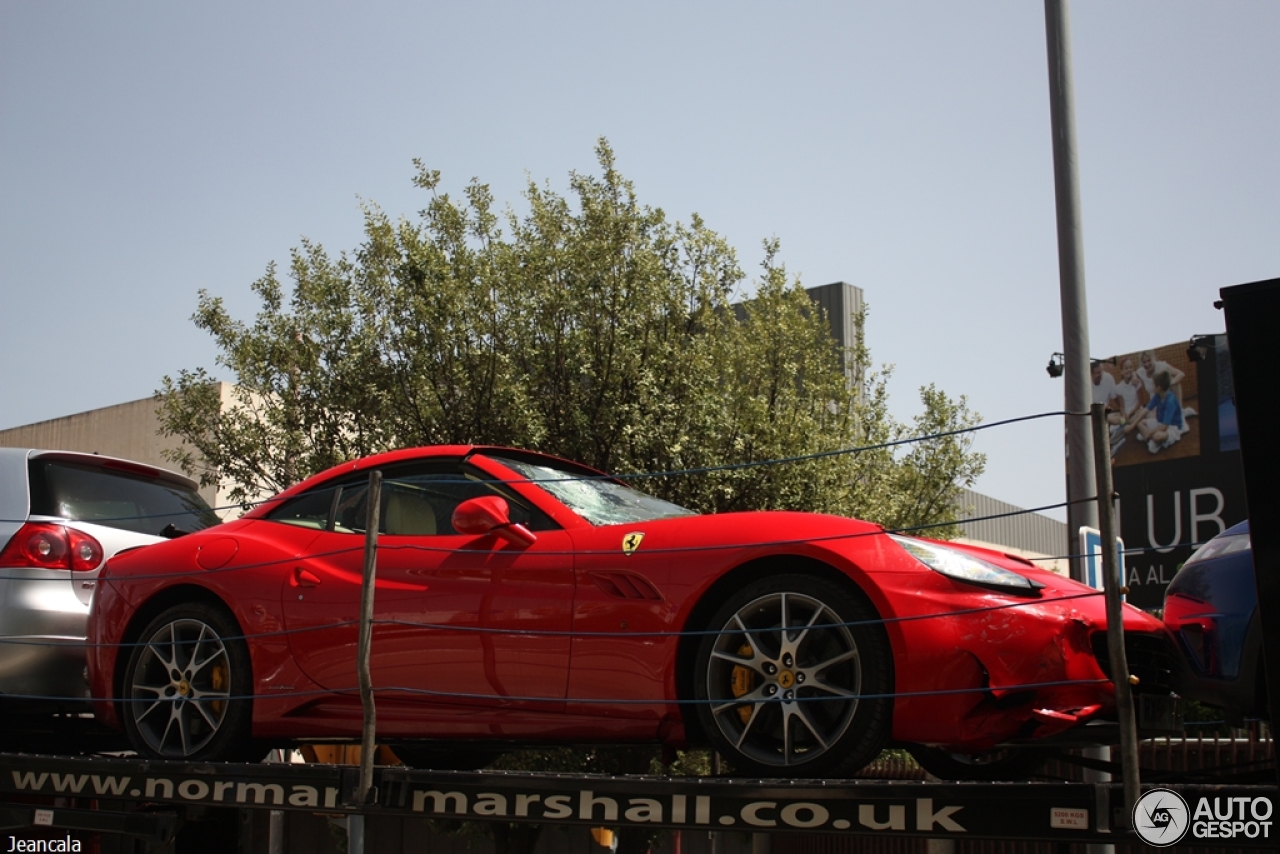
(410, 515)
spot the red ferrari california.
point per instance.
(523, 599)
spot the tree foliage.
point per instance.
(588, 326)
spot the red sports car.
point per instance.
(524, 599)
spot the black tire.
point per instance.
(187, 687)
(796, 681)
(992, 766)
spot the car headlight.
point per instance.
(965, 567)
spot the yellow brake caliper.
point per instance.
(742, 683)
(218, 678)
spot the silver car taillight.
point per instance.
(47, 545)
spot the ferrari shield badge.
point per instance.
(631, 542)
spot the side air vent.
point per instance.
(625, 585)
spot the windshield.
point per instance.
(599, 501)
(1220, 546)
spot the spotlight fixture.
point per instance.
(1198, 347)
(1056, 365)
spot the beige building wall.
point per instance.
(130, 431)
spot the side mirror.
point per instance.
(489, 514)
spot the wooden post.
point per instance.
(1115, 612)
(366, 792)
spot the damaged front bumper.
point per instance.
(1035, 672)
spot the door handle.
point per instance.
(303, 578)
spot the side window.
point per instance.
(350, 507)
(308, 510)
(341, 508)
(418, 500)
(421, 503)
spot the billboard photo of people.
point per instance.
(1153, 406)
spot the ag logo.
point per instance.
(1161, 818)
(631, 542)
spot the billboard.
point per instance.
(1175, 455)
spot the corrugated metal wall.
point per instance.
(1029, 532)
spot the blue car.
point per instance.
(1211, 607)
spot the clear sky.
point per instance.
(151, 149)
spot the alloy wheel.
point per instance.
(784, 679)
(180, 688)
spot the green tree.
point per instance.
(588, 326)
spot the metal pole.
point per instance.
(1115, 617)
(365, 793)
(1081, 484)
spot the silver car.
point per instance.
(62, 515)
